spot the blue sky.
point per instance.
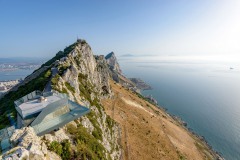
(139, 27)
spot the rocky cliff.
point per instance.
(85, 79)
(114, 68)
(27, 145)
(81, 70)
(113, 63)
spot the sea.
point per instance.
(21, 61)
(14, 74)
(203, 91)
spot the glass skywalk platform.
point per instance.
(46, 112)
(49, 124)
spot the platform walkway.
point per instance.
(76, 111)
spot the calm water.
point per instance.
(13, 75)
(205, 94)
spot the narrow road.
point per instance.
(114, 103)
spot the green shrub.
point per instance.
(47, 74)
(60, 54)
(56, 147)
(55, 79)
(62, 68)
(69, 87)
(97, 132)
(85, 87)
(110, 123)
(82, 76)
(63, 149)
(64, 91)
(7, 102)
(85, 153)
(87, 146)
(78, 59)
(66, 150)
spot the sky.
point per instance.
(139, 27)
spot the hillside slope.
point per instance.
(149, 133)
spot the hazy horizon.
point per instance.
(229, 61)
(41, 29)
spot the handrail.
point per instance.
(34, 95)
(37, 94)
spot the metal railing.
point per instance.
(36, 94)
(28, 97)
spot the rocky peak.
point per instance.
(81, 67)
(113, 63)
(85, 78)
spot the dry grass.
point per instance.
(148, 132)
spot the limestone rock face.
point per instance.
(87, 124)
(52, 156)
(102, 68)
(28, 146)
(18, 153)
(84, 77)
(79, 64)
(113, 63)
(25, 137)
(110, 135)
(114, 68)
(71, 76)
(58, 136)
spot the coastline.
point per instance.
(184, 125)
(8, 69)
(7, 85)
(199, 137)
(150, 127)
(10, 80)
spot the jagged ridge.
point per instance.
(85, 78)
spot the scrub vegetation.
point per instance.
(7, 102)
(87, 146)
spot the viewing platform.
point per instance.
(47, 111)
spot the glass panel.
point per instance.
(25, 99)
(29, 96)
(57, 113)
(57, 119)
(34, 94)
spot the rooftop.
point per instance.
(47, 111)
(35, 106)
(35, 102)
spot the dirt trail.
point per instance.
(148, 132)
